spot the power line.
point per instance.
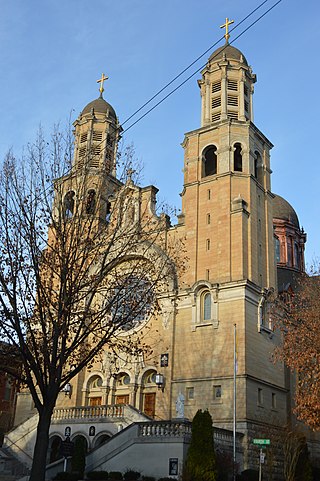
(192, 63)
(195, 72)
(199, 69)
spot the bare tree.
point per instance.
(298, 315)
(78, 269)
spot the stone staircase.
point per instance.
(11, 468)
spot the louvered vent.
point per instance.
(94, 162)
(216, 102)
(82, 151)
(246, 106)
(216, 87)
(96, 150)
(83, 137)
(233, 115)
(232, 85)
(246, 90)
(233, 100)
(215, 117)
(96, 136)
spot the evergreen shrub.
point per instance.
(115, 476)
(131, 475)
(201, 460)
(98, 475)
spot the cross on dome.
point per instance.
(226, 26)
(101, 82)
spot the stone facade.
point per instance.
(226, 225)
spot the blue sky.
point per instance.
(52, 52)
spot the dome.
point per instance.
(283, 210)
(100, 106)
(230, 52)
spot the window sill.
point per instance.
(213, 322)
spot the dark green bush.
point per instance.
(201, 461)
(115, 475)
(131, 475)
(249, 475)
(65, 476)
(97, 475)
(78, 461)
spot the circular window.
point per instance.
(131, 302)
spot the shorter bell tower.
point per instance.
(87, 189)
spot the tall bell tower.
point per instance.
(227, 178)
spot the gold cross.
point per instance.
(101, 81)
(226, 26)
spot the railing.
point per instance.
(89, 412)
(164, 429)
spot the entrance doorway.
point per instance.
(149, 404)
(122, 399)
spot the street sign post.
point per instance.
(261, 442)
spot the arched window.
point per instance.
(68, 204)
(102, 439)
(206, 306)
(108, 212)
(258, 167)
(209, 161)
(277, 248)
(296, 256)
(91, 201)
(237, 158)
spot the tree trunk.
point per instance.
(38, 469)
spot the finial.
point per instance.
(101, 81)
(226, 26)
(130, 173)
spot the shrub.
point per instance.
(149, 478)
(115, 475)
(249, 475)
(131, 475)
(97, 475)
(65, 476)
(78, 461)
(201, 461)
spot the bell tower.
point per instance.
(92, 180)
(226, 200)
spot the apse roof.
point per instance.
(283, 210)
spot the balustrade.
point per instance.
(164, 429)
(89, 412)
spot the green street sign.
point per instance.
(261, 441)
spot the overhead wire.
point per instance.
(192, 63)
(188, 67)
(199, 69)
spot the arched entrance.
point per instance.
(54, 449)
(149, 393)
(94, 391)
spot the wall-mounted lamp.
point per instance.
(160, 381)
(67, 389)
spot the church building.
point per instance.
(242, 243)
